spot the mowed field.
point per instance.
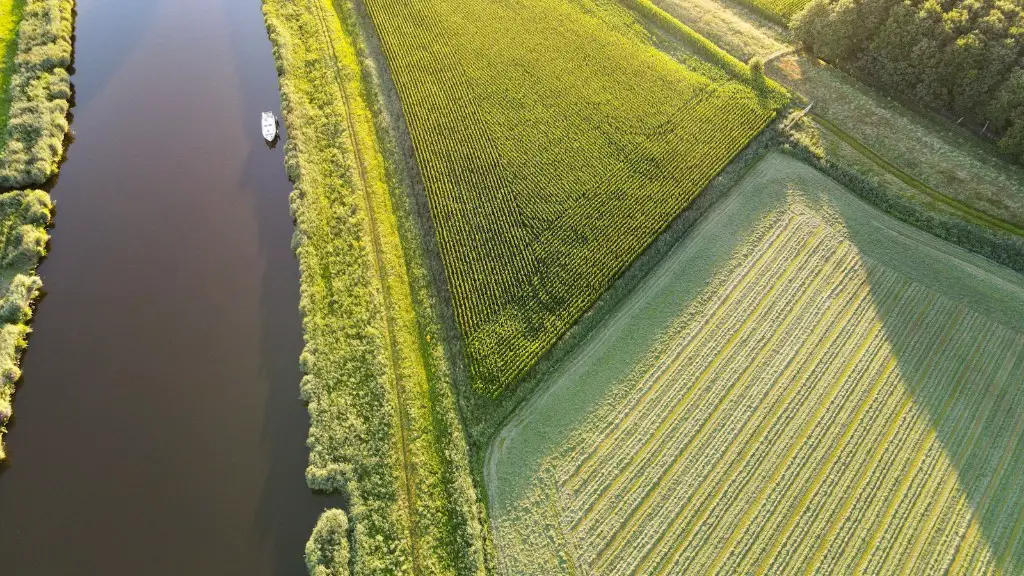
(804, 386)
(555, 143)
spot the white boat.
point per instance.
(269, 124)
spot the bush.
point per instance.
(327, 548)
(15, 305)
(756, 67)
(25, 215)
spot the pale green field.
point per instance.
(804, 386)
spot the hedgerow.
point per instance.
(555, 142)
(32, 142)
(24, 216)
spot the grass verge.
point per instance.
(384, 426)
(940, 155)
(736, 30)
(875, 180)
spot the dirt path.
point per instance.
(379, 265)
(966, 212)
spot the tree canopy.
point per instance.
(965, 57)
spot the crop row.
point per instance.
(824, 415)
(555, 143)
(772, 422)
(736, 417)
(692, 425)
(780, 10)
(646, 414)
(646, 400)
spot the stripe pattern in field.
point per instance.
(824, 414)
(555, 143)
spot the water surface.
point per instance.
(158, 428)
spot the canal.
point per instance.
(158, 428)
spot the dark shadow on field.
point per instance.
(978, 424)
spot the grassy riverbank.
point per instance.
(35, 51)
(384, 427)
(24, 216)
(10, 16)
(37, 93)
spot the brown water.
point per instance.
(158, 428)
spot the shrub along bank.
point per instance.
(384, 428)
(32, 141)
(24, 216)
(327, 548)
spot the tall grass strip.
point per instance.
(32, 140)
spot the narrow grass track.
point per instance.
(403, 428)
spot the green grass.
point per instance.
(966, 211)
(555, 143)
(803, 382)
(24, 216)
(39, 88)
(941, 156)
(383, 422)
(779, 10)
(10, 16)
(737, 31)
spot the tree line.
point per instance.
(964, 57)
